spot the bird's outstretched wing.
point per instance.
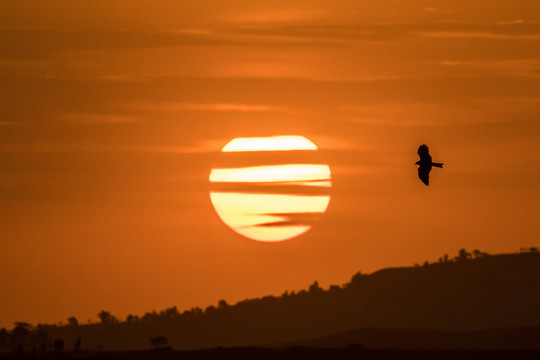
(423, 152)
(423, 173)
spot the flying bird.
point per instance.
(425, 164)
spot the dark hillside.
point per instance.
(498, 291)
(374, 338)
(487, 292)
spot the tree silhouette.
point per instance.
(210, 310)
(150, 316)
(106, 318)
(169, 313)
(4, 338)
(40, 339)
(314, 288)
(77, 345)
(72, 321)
(478, 254)
(20, 334)
(356, 280)
(132, 318)
(222, 304)
(334, 289)
(463, 255)
(23, 324)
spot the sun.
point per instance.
(265, 197)
(273, 143)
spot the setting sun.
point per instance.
(266, 215)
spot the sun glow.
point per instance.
(273, 143)
(270, 214)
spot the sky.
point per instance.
(113, 113)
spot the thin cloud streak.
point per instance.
(103, 119)
(200, 147)
(46, 43)
(214, 107)
(484, 111)
(478, 35)
(390, 31)
(513, 67)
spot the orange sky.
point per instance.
(112, 114)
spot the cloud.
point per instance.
(280, 15)
(336, 33)
(294, 219)
(213, 107)
(478, 35)
(479, 110)
(327, 142)
(96, 119)
(43, 43)
(436, 10)
(302, 188)
(511, 67)
(197, 147)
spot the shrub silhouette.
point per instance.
(159, 341)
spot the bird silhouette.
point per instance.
(425, 164)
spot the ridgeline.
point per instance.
(457, 299)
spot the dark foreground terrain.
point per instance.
(466, 293)
(472, 301)
(525, 338)
(252, 353)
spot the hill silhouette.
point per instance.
(451, 298)
(375, 338)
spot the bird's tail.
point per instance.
(437, 164)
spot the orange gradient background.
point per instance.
(113, 113)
